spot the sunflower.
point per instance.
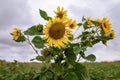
(60, 13)
(56, 32)
(16, 33)
(89, 22)
(112, 33)
(106, 31)
(72, 24)
(106, 23)
(98, 22)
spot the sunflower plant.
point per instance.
(60, 45)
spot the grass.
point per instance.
(97, 70)
(104, 70)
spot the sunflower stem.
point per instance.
(32, 45)
(76, 30)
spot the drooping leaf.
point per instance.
(38, 42)
(33, 31)
(44, 15)
(91, 57)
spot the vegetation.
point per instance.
(30, 71)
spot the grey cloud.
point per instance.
(78, 12)
(20, 53)
(14, 12)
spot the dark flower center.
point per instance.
(57, 31)
(60, 15)
(71, 26)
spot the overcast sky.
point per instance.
(24, 13)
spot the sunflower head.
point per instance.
(60, 13)
(55, 32)
(106, 31)
(72, 24)
(89, 22)
(112, 33)
(98, 22)
(16, 33)
(106, 23)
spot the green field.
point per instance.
(30, 71)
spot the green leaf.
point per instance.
(38, 42)
(71, 76)
(102, 38)
(33, 31)
(48, 58)
(79, 67)
(70, 58)
(44, 15)
(79, 24)
(54, 50)
(21, 39)
(85, 35)
(85, 26)
(40, 58)
(32, 59)
(94, 22)
(102, 32)
(76, 48)
(91, 57)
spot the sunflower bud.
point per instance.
(104, 42)
(70, 37)
(39, 27)
(45, 52)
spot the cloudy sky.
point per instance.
(24, 13)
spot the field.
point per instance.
(30, 71)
